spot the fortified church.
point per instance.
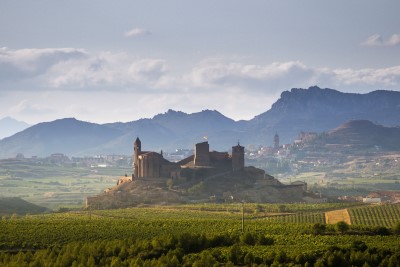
(149, 164)
(203, 177)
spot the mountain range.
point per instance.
(309, 110)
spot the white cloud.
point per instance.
(77, 70)
(377, 40)
(136, 32)
(386, 77)
(393, 40)
(107, 70)
(147, 70)
(25, 106)
(26, 63)
(217, 73)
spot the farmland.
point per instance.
(54, 186)
(186, 235)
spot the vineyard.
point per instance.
(201, 235)
(382, 215)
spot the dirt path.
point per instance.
(335, 216)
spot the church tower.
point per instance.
(137, 147)
(237, 157)
(276, 141)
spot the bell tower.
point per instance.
(137, 148)
(276, 141)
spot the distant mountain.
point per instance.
(175, 129)
(10, 126)
(166, 131)
(313, 109)
(68, 136)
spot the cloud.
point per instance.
(147, 70)
(269, 79)
(136, 32)
(377, 40)
(107, 70)
(26, 63)
(26, 107)
(394, 40)
(75, 69)
(78, 70)
(385, 77)
(259, 77)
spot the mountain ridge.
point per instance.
(308, 110)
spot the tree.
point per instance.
(235, 254)
(342, 227)
(248, 239)
(319, 228)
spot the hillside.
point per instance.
(16, 205)
(358, 135)
(366, 134)
(68, 136)
(313, 109)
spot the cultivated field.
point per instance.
(199, 235)
(54, 186)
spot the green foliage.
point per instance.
(189, 235)
(341, 227)
(319, 228)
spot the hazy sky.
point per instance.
(105, 61)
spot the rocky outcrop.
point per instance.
(250, 185)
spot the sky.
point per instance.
(107, 61)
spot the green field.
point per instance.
(54, 186)
(200, 235)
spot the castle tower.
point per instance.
(276, 141)
(237, 157)
(137, 147)
(202, 154)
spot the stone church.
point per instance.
(150, 164)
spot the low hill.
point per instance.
(364, 133)
(16, 205)
(356, 136)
